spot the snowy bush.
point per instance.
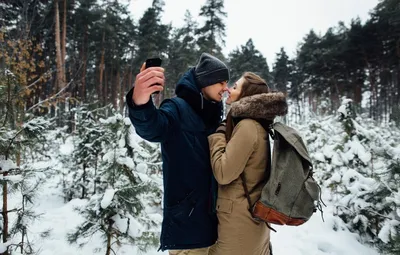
(124, 187)
(359, 163)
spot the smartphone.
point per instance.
(152, 62)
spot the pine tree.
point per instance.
(18, 178)
(117, 209)
(281, 71)
(211, 36)
(19, 131)
(88, 139)
(358, 162)
(248, 58)
(182, 53)
(153, 36)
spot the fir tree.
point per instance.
(88, 141)
(358, 162)
(248, 58)
(281, 71)
(153, 36)
(117, 209)
(182, 53)
(211, 36)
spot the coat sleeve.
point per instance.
(154, 125)
(229, 160)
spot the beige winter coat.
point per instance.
(238, 233)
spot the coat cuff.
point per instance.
(216, 135)
(138, 111)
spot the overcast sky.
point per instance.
(271, 24)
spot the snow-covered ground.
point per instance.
(314, 238)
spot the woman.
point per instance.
(239, 149)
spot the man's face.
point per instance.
(215, 92)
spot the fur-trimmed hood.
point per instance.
(260, 106)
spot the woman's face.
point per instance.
(234, 92)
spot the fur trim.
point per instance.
(260, 106)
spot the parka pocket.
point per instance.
(183, 209)
(224, 205)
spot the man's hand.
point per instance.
(145, 83)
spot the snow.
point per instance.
(342, 110)
(337, 166)
(6, 165)
(58, 219)
(107, 198)
(318, 237)
(388, 230)
(4, 246)
(7, 72)
(126, 161)
(142, 168)
(314, 237)
(319, 156)
(12, 178)
(68, 147)
(357, 149)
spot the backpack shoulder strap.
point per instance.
(243, 178)
(293, 138)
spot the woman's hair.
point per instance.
(253, 85)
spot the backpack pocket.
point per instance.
(305, 204)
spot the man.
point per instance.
(182, 125)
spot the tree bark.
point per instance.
(101, 67)
(109, 236)
(115, 89)
(123, 91)
(106, 74)
(64, 43)
(84, 66)
(58, 48)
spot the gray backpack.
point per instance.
(291, 195)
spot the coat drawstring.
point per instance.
(202, 100)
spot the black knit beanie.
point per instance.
(210, 70)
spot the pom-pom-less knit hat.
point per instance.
(210, 70)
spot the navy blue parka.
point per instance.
(182, 125)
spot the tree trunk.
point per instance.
(372, 81)
(123, 91)
(115, 89)
(109, 236)
(398, 82)
(95, 175)
(107, 84)
(83, 195)
(84, 66)
(100, 89)
(105, 87)
(358, 91)
(64, 43)
(23, 227)
(5, 214)
(58, 48)
(5, 210)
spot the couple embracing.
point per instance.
(205, 210)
